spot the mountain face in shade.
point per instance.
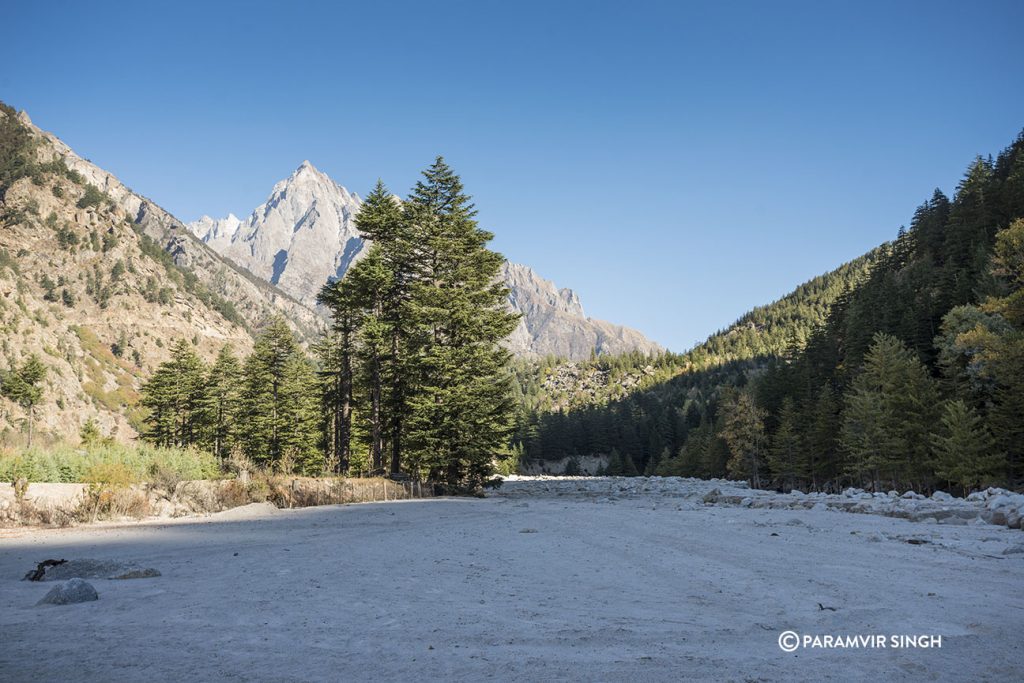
(304, 234)
(554, 323)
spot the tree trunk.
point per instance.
(376, 446)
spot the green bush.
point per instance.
(92, 197)
(66, 463)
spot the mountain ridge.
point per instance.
(283, 241)
(256, 300)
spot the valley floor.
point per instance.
(528, 584)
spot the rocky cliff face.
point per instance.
(305, 234)
(554, 323)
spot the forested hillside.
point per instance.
(644, 406)
(911, 373)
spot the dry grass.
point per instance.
(115, 492)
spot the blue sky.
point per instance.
(675, 163)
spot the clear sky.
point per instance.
(675, 163)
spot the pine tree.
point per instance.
(222, 403)
(629, 466)
(615, 467)
(1001, 354)
(174, 399)
(158, 398)
(371, 284)
(870, 435)
(821, 455)
(23, 386)
(89, 433)
(299, 414)
(743, 431)
(383, 220)
(964, 448)
(889, 415)
(461, 408)
(279, 404)
(336, 354)
(784, 457)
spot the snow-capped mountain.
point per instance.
(305, 234)
(217, 233)
(300, 237)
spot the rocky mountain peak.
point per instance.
(302, 235)
(305, 234)
(530, 289)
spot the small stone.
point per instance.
(70, 592)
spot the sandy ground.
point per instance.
(520, 586)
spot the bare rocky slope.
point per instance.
(305, 234)
(85, 288)
(554, 324)
(253, 298)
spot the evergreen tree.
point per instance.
(461, 408)
(821, 455)
(383, 220)
(23, 385)
(964, 448)
(784, 457)
(336, 353)
(222, 403)
(279, 405)
(889, 415)
(174, 397)
(1001, 355)
(743, 431)
(615, 467)
(89, 433)
(372, 283)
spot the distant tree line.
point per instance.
(911, 377)
(410, 377)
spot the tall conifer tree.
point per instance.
(461, 410)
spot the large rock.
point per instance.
(98, 569)
(70, 592)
